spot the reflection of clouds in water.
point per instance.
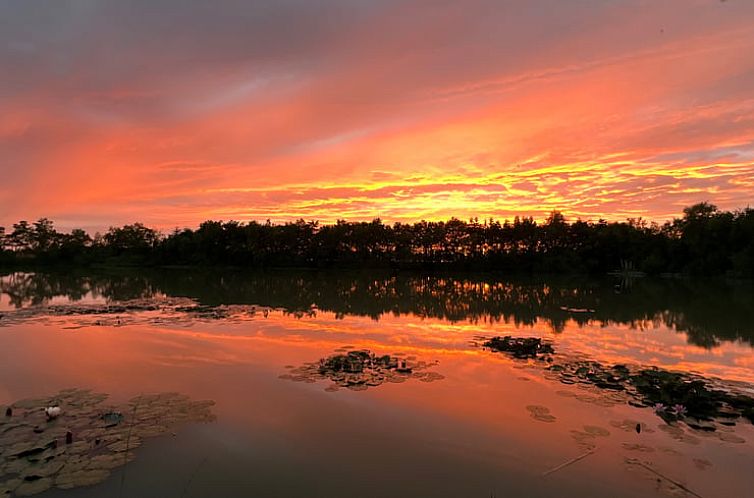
(480, 406)
(662, 347)
(744, 361)
(681, 400)
(658, 345)
(707, 314)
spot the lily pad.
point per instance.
(540, 413)
(643, 448)
(30, 488)
(596, 431)
(700, 403)
(520, 347)
(358, 370)
(86, 441)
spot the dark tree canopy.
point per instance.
(704, 240)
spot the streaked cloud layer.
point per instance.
(173, 112)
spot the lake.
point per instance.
(372, 384)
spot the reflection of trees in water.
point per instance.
(708, 313)
(29, 289)
(34, 289)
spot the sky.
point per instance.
(172, 112)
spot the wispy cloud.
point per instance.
(403, 110)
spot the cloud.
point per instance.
(176, 112)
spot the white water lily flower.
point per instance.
(53, 412)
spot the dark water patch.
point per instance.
(72, 439)
(359, 370)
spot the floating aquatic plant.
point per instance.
(174, 310)
(358, 370)
(520, 347)
(674, 396)
(85, 440)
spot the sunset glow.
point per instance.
(114, 112)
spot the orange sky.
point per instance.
(114, 112)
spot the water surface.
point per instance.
(475, 430)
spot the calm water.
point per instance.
(240, 340)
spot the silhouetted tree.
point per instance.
(704, 240)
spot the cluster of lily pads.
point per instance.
(674, 396)
(358, 370)
(72, 439)
(173, 310)
(120, 309)
(102, 309)
(520, 347)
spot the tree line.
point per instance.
(703, 241)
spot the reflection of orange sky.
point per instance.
(282, 339)
(477, 413)
(641, 123)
